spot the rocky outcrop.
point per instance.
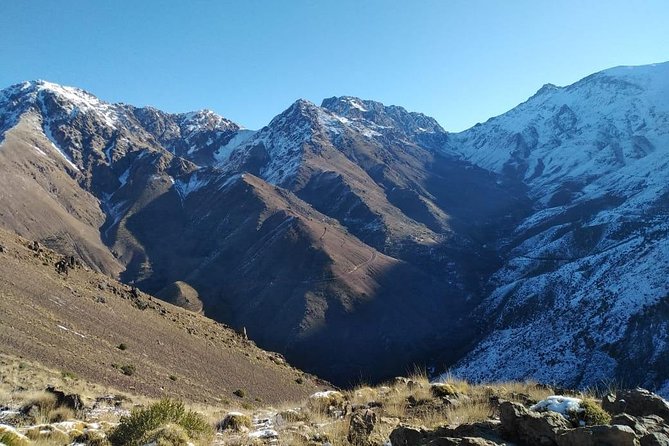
(530, 427)
(361, 427)
(479, 434)
(637, 402)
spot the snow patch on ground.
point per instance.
(561, 404)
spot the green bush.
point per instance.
(141, 422)
(122, 347)
(593, 414)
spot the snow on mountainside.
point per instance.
(382, 117)
(78, 124)
(607, 121)
(546, 226)
(589, 265)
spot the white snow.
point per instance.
(108, 152)
(325, 394)
(39, 151)
(192, 184)
(76, 100)
(123, 179)
(561, 404)
(356, 104)
(230, 180)
(54, 145)
(577, 296)
(223, 153)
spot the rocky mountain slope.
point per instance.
(581, 294)
(320, 233)
(532, 245)
(84, 324)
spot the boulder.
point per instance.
(404, 435)
(488, 430)
(638, 402)
(655, 439)
(614, 435)
(478, 434)
(642, 425)
(71, 401)
(361, 427)
(528, 427)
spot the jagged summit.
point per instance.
(391, 116)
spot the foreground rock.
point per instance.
(481, 434)
(530, 427)
(361, 427)
(598, 435)
(638, 402)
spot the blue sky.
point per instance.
(459, 61)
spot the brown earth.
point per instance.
(77, 322)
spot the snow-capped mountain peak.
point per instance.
(382, 116)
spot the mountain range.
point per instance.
(361, 239)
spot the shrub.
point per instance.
(173, 377)
(235, 421)
(47, 434)
(168, 435)
(128, 369)
(240, 393)
(60, 414)
(10, 437)
(44, 401)
(142, 422)
(122, 347)
(68, 375)
(92, 438)
(593, 414)
(325, 401)
(442, 390)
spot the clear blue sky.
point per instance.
(459, 61)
